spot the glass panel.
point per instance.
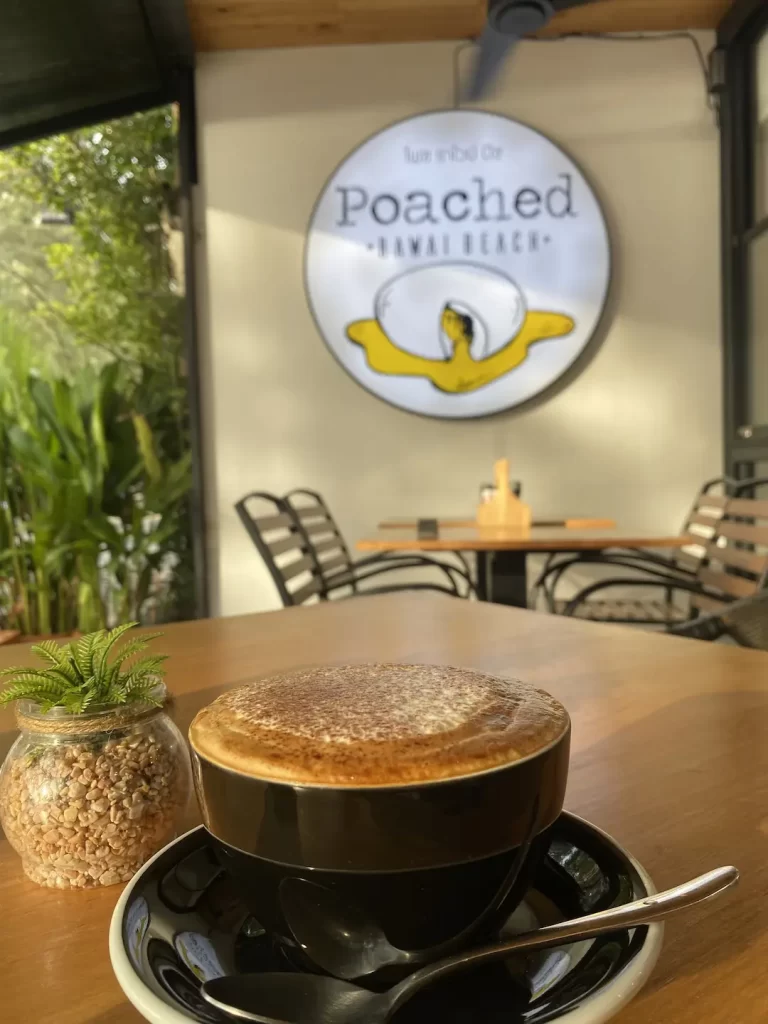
(95, 508)
(757, 353)
(761, 140)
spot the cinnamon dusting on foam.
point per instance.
(376, 725)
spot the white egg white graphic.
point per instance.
(410, 307)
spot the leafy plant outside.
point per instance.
(94, 451)
(91, 516)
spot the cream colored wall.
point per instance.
(631, 437)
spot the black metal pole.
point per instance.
(188, 179)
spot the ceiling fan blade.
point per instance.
(493, 48)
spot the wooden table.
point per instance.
(670, 755)
(502, 552)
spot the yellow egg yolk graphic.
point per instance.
(459, 372)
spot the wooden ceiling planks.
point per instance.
(253, 24)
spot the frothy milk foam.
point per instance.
(370, 725)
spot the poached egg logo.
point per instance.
(457, 263)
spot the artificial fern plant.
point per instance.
(81, 676)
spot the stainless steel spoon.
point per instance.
(314, 999)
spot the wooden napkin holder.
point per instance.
(504, 508)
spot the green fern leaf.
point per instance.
(82, 652)
(49, 651)
(73, 702)
(105, 646)
(74, 661)
(143, 689)
(66, 672)
(118, 695)
(114, 635)
(38, 692)
(36, 675)
(143, 666)
(133, 647)
(127, 651)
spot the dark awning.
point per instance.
(65, 63)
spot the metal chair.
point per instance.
(283, 546)
(745, 622)
(339, 571)
(701, 521)
(733, 565)
(302, 555)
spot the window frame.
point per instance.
(738, 35)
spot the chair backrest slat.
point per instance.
(335, 564)
(314, 586)
(748, 507)
(704, 605)
(309, 512)
(320, 528)
(735, 586)
(268, 523)
(744, 532)
(701, 522)
(283, 544)
(277, 535)
(323, 546)
(735, 558)
(699, 519)
(292, 569)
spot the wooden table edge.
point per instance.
(528, 544)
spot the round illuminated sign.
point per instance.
(457, 263)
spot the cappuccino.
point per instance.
(376, 725)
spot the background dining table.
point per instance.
(502, 552)
(669, 755)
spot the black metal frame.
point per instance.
(188, 179)
(738, 34)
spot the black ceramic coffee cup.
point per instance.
(431, 863)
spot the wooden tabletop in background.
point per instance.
(469, 537)
(670, 755)
(452, 523)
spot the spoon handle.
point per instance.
(629, 915)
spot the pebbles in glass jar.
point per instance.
(87, 799)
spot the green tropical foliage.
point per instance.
(90, 512)
(88, 674)
(113, 180)
(94, 445)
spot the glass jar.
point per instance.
(87, 799)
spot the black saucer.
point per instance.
(180, 922)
